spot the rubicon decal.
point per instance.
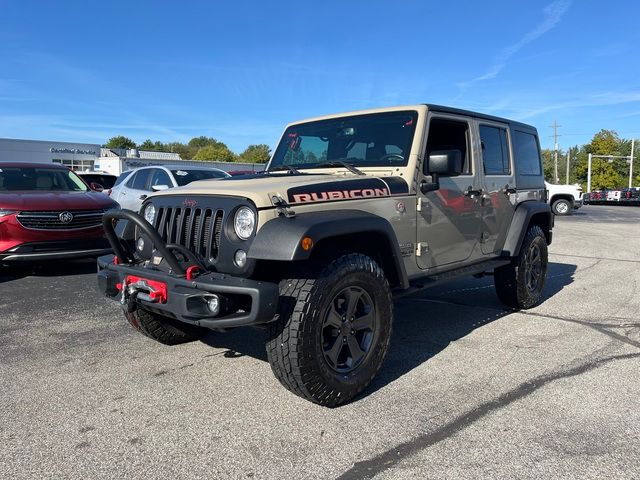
(348, 190)
(340, 195)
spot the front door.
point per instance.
(498, 198)
(448, 220)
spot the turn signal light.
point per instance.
(307, 243)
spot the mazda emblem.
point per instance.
(66, 217)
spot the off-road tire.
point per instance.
(511, 280)
(295, 346)
(163, 329)
(561, 207)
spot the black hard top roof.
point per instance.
(459, 111)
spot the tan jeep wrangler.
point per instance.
(351, 209)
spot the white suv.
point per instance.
(134, 186)
(564, 198)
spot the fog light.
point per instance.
(213, 304)
(240, 258)
(140, 244)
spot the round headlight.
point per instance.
(150, 213)
(244, 222)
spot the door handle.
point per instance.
(507, 190)
(471, 192)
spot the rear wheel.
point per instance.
(163, 329)
(561, 207)
(333, 330)
(520, 284)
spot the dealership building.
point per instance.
(90, 157)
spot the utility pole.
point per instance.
(568, 157)
(555, 127)
(633, 141)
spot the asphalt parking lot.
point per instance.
(469, 390)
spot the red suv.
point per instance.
(48, 212)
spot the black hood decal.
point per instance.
(369, 187)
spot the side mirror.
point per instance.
(96, 187)
(158, 188)
(432, 186)
(445, 162)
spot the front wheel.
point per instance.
(561, 207)
(520, 284)
(163, 329)
(333, 330)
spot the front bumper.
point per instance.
(184, 296)
(577, 204)
(56, 250)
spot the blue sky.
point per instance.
(238, 71)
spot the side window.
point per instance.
(495, 150)
(160, 177)
(449, 135)
(139, 181)
(121, 178)
(527, 153)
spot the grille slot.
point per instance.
(197, 229)
(51, 220)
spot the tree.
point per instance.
(256, 154)
(120, 141)
(605, 142)
(219, 153)
(153, 146)
(181, 149)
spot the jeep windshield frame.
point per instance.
(368, 140)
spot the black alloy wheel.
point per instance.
(533, 267)
(348, 329)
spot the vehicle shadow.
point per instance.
(425, 323)
(59, 268)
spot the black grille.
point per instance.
(52, 221)
(197, 229)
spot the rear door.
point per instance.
(135, 190)
(498, 202)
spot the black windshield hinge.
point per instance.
(283, 209)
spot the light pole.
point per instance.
(633, 141)
(589, 175)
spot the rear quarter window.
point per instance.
(527, 153)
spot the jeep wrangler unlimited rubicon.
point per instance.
(351, 209)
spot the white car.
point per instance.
(564, 198)
(134, 186)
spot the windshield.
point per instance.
(186, 176)
(372, 140)
(40, 179)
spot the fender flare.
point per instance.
(520, 222)
(280, 239)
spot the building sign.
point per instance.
(77, 151)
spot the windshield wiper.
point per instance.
(284, 167)
(340, 163)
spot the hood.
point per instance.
(46, 201)
(297, 188)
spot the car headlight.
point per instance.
(4, 213)
(150, 213)
(244, 222)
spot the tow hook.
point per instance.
(136, 288)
